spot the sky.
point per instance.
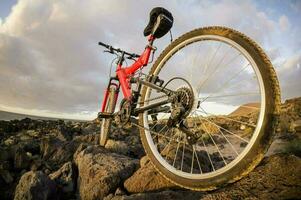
(51, 65)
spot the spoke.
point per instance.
(192, 159)
(214, 54)
(159, 132)
(158, 121)
(174, 160)
(227, 82)
(170, 139)
(215, 144)
(194, 151)
(230, 95)
(168, 146)
(183, 152)
(217, 67)
(224, 117)
(137, 125)
(228, 131)
(208, 155)
(197, 159)
(223, 136)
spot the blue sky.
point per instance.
(5, 7)
(50, 63)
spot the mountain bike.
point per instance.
(207, 109)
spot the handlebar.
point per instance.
(112, 49)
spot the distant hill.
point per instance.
(6, 116)
(245, 109)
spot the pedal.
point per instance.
(104, 115)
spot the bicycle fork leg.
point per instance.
(105, 100)
(106, 95)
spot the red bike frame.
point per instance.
(124, 74)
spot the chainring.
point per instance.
(124, 115)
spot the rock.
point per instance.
(119, 192)
(5, 154)
(166, 195)
(90, 138)
(100, 171)
(33, 133)
(21, 160)
(36, 164)
(63, 133)
(144, 160)
(278, 177)
(210, 128)
(146, 179)
(64, 177)
(135, 147)
(10, 141)
(5, 165)
(90, 128)
(117, 147)
(7, 177)
(35, 185)
(297, 126)
(56, 152)
(24, 137)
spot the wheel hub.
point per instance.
(181, 105)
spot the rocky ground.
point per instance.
(42, 159)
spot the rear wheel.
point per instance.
(106, 122)
(232, 96)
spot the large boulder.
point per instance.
(278, 177)
(101, 172)
(146, 179)
(57, 152)
(166, 195)
(36, 185)
(119, 147)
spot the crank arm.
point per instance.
(104, 115)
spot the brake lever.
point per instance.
(108, 51)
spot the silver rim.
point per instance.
(229, 164)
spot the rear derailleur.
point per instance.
(181, 106)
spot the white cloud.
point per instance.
(284, 23)
(49, 58)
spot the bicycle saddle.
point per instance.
(160, 22)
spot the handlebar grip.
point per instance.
(103, 44)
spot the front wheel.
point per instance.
(232, 99)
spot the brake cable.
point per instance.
(112, 66)
(171, 39)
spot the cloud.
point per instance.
(289, 76)
(50, 61)
(284, 23)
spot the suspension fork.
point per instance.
(106, 95)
